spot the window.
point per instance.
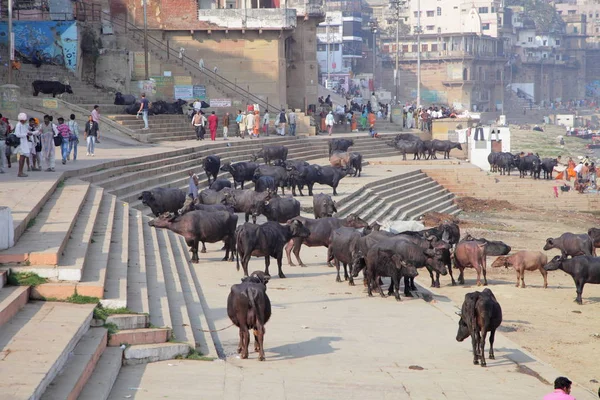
(440, 30)
(465, 74)
(558, 57)
(424, 47)
(493, 10)
(485, 27)
(434, 47)
(439, 11)
(530, 39)
(405, 48)
(430, 13)
(571, 12)
(574, 29)
(414, 48)
(430, 27)
(498, 75)
(591, 15)
(558, 42)
(544, 55)
(597, 15)
(559, 12)
(416, 14)
(483, 10)
(321, 47)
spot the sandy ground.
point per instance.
(547, 322)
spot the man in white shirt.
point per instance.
(197, 105)
(265, 123)
(578, 168)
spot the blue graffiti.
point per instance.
(49, 42)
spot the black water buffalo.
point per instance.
(332, 176)
(220, 184)
(444, 146)
(502, 162)
(406, 136)
(279, 209)
(530, 163)
(175, 107)
(572, 245)
(295, 180)
(124, 100)
(50, 87)
(470, 254)
(323, 206)
(356, 160)
(427, 150)
(133, 109)
(594, 234)
(492, 247)
(340, 145)
(265, 183)
(162, 200)
(209, 196)
(279, 175)
(493, 161)
(583, 269)
(409, 146)
(320, 233)
(211, 165)
(246, 201)
(201, 226)
(249, 307)
(266, 240)
(194, 204)
(301, 175)
(344, 248)
(241, 172)
(547, 165)
(270, 153)
(480, 313)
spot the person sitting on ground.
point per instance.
(562, 390)
(193, 185)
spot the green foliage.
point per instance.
(31, 223)
(76, 298)
(103, 313)
(25, 279)
(60, 184)
(112, 328)
(542, 13)
(194, 355)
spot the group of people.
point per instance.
(200, 122)
(36, 141)
(584, 174)
(251, 123)
(422, 118)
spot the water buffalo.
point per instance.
(583, 269)
(220, 184)
(427, 150)
(331, 176)
(279, 175)
(304, 175)
(245, 201)
(492, 247)
(339, 145)
(249, 307)
(279, 209)
(339, 159)
(384, 259)
(162, 200)
(209, 196)
(241, 172)
(572, 245)
(323, 206)
(194, 204)
(124, 100)
(211, 165)
(413, 146)
(265, 183)
(270, 153)
(296, 180)
(470, 254)
(531, 163)
(344, 248)
(480, 313)
(356, 160)
(493, 161)
(594, 234)
(524, 261)
(50, 87)
(547, 165)
(444, 146)
(320, 233)
(266, 240)
(503, 162)
(201, 226)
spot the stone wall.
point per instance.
(302, 68)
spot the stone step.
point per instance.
(128, 321)
(3, 278)
(70, 381)
(105, 374)
(137, 286)
(44, 242)
(158, 302)
(429, 203)
(145, 353)
(140, 336)
(12, 299)
(115, 292)
(55, 328)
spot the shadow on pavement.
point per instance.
(315, 346)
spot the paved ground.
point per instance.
(327, 340)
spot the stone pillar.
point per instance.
(9, 101)
(7, 230)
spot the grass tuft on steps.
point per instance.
(104, 312)
(25, 279)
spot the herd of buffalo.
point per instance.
(503, 163)
(426, 149)
(351, 242)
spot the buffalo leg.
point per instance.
(195, 258)
(247, 215)
(380, 290)
(245, 261)
(451, 277)
(241, 342)
(519, 277)
(461, 276)
(579, 286)
(203, 248)
(296, 250)
(391, 287)
(396, 282)
(431, 276)
(545, 275)
(260, 336)
(337, 267)
(412, 284)
(492, 337)
(330, 257)
(407, 292)
(279, 266)
(475, 344)
(523, 279)
(267, 263)
(246, 343)
(256, 346)
(483, 267)
(482, 349)
(310, 188)
(370, 282)
(478, 269)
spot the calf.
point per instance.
(271, 153)
(583, 269)
(211, 165)
(492, 248)
(524, 261)
(249, 307)
(241, 172)
(220, 184)
(480, 313)
(266, 240)
(201, 226)
(163, 200)
(356, 160)
(339, 159)
(265, 183)
(470, 254)
(295, 180)
(340, 145)
(245, 201)
(279, 175)
(279, 209)
(572, 245)
(384, 261)
(50, 87)
(344, 248)
(331, 176)
(323, 206)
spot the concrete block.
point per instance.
(145, 353)
(140, 336)
(7, 232)
(12, 299)
(3, 278)
(58, 291)
(105, 374)
(129, 321)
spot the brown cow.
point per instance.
(524, 261)
(470, 254)
(340, 159)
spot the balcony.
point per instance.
(250, 18)
(307, 8)
(442, 54)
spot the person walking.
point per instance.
(65, 133)
(89, 134)
(197, 124)
(96, 118)
(225, 126)
(35, 145)
(329, 121)
(242, 124)
(562, 390)
(21, 131)
(292, 122)
(48, 131)
(256, 123)
(74, 138)
(282, 119)
(213, 123)
(144, 107)
(250, 124)
(265, 123)
(4, 131)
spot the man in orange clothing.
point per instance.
(371, 118)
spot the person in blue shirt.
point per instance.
(144, 107)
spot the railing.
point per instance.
(185, 60)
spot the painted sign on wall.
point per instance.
(184, 92)
(163, 86)
(139, 65)
(199, 92)
(51, 42)
(215, 103)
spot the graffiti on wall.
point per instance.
(48, 42)
(592, 89)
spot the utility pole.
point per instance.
(396, 70)
(418, 53)
(145, 39)
(373, 25)
(11, 41)
(327, 22)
